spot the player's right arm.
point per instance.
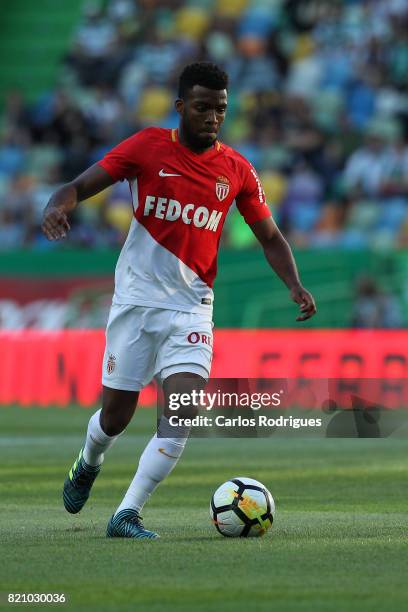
(124, 162)
(55, 223)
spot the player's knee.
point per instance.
(182, 395)
(113, 423)
(113, 427)
(188, 412)
(117, 411)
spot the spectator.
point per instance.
(364, 172)
(374, 308)
(94, 46)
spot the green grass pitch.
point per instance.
(339, 541)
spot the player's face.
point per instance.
(202, 113)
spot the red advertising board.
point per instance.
(57, 368)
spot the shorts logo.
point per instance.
(110, 366)
(196, 337)
(222, 187)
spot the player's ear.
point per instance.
(179, 106)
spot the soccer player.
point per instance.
(182, 184)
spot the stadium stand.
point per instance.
(318, 102)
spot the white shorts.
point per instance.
(142, 343)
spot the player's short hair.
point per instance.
(205, 74)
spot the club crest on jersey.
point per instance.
(110, 366)
(222, 187)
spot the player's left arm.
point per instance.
(280, 257)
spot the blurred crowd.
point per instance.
(318, 102)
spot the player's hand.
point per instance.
(305, 299)
(55, 223)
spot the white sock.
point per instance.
(156, 462)
(97, 442)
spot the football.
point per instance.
(242, 508)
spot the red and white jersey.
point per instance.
(180, 201)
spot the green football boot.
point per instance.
(128, 524)
(78, 484)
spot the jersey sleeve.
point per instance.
(251, 200)
(125, 161)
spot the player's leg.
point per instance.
(104, 428)
(164, 449)
(158, 458)
(183, 364)
(125, 370)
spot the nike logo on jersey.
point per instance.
(163, 173)
(163, 452)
